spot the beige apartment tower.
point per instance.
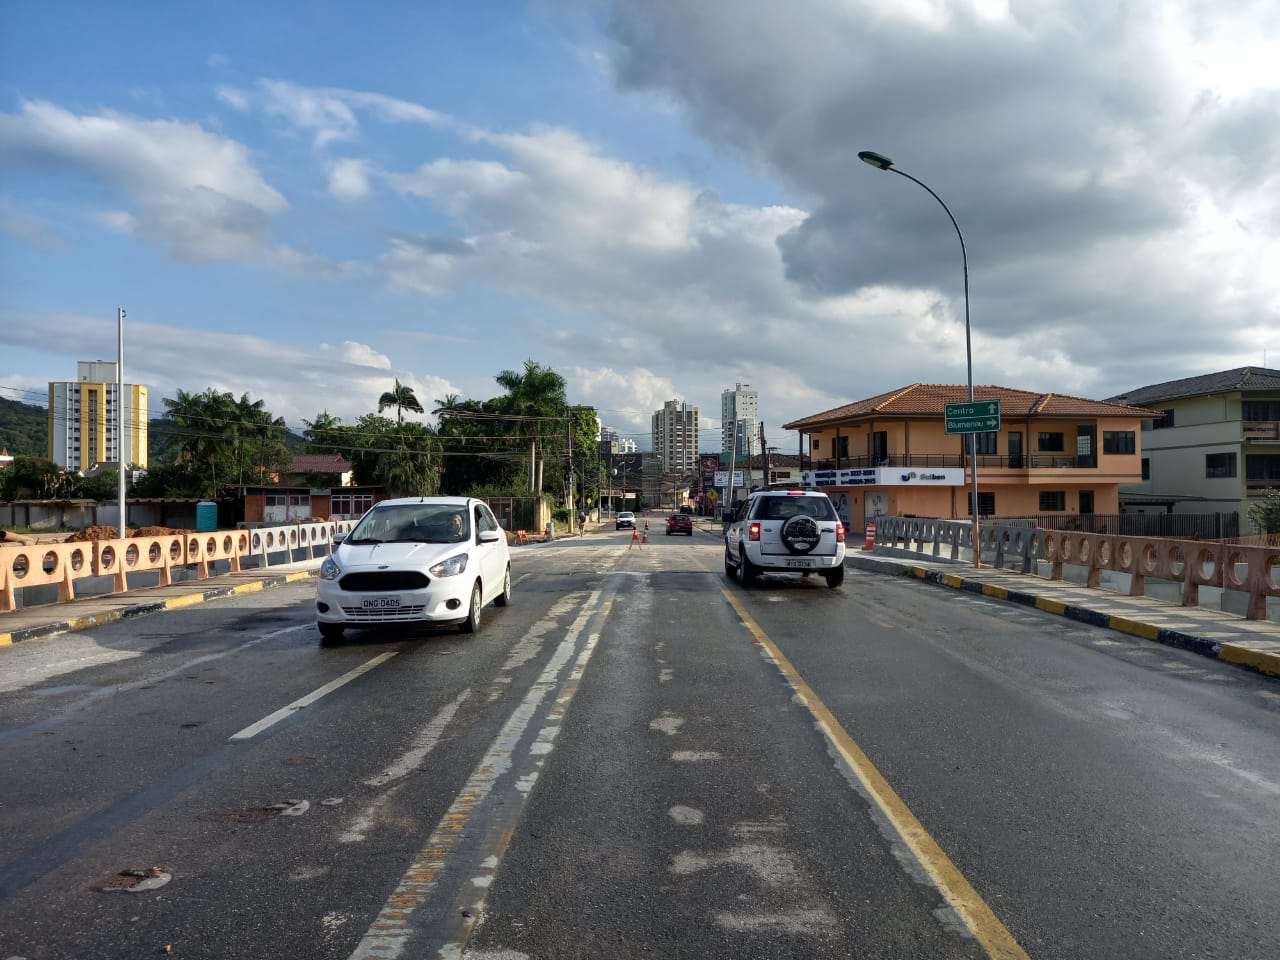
(84, 425)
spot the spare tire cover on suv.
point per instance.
(801, 534)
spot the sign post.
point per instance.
(973, 416)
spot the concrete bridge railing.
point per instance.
(1129, 563)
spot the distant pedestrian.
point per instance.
(582, 522)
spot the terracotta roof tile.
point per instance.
(928, 400)
(319, 463)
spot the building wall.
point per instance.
(675, 436)
(83, 422)
(1017, 490)
(740, 416)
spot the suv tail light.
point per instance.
(839, 533)
(753, 532)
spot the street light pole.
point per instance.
(881, 162)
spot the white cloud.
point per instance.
(196, 193)
(234, 98)
(349, 179)
(329, 114)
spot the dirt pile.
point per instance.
(112, 533)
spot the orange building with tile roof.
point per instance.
(890, 455)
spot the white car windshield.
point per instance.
(413, 523)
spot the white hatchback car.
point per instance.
(415, 560)
(785, 531)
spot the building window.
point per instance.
(1053, 500)
(275, 500)
(986, 504)
(1262, 466)
(817, 443)
(1146, 468)
(1164, 421)
(985, 442)
(1260, 410)
(1219, 464)
(1118, 441)
(1050, 442)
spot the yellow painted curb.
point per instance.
(953, 580)
(6, 639)
(1261, 660)
(1051, 606)
(995, 590)
(1144, 630)
(188, 600)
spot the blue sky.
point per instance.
(306, 201)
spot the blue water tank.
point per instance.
(206, 516)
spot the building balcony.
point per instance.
(1260, 429)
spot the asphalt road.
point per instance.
(637, 758)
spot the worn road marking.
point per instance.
(947, 878)
(391, 931)
(287, 711)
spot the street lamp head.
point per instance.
(877, 160)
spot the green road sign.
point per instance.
(981, 416)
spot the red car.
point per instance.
(680, 523)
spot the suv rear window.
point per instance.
(784, 508)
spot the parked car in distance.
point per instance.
(415, 560)
(624, 519)
(680, 523)
(785, 531)
(685, 508)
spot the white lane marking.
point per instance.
(694, 756)
(687, 816)
(287, 711)
(390, 932)
(667, 724)
(423, 744)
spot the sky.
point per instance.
(305, 202)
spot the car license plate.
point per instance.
(803, 564)
(379, 603)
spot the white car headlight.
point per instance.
(329, 570)
(449, 568)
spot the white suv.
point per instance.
(785, 531)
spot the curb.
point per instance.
(143, 608)
(1237, 654)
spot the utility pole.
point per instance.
(120, 483)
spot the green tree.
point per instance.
(1265, 514)
(402, 398)
(34, 478)
(534, 408)
(226, 442)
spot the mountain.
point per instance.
(24, 428)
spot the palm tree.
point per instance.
(402, 397)
(536, 395)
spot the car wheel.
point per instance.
(472, 623)
(800, 534)
(330, 633)
(747, 572)
(502, 599)
(835, 577)
(729, 569)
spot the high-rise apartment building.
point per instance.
(84, 425)
(675, 436)
(616, 442)
(739, 419)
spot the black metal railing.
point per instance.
(989, 461)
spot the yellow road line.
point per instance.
(972, 909)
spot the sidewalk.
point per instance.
(46, 619)
(1211, 632)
